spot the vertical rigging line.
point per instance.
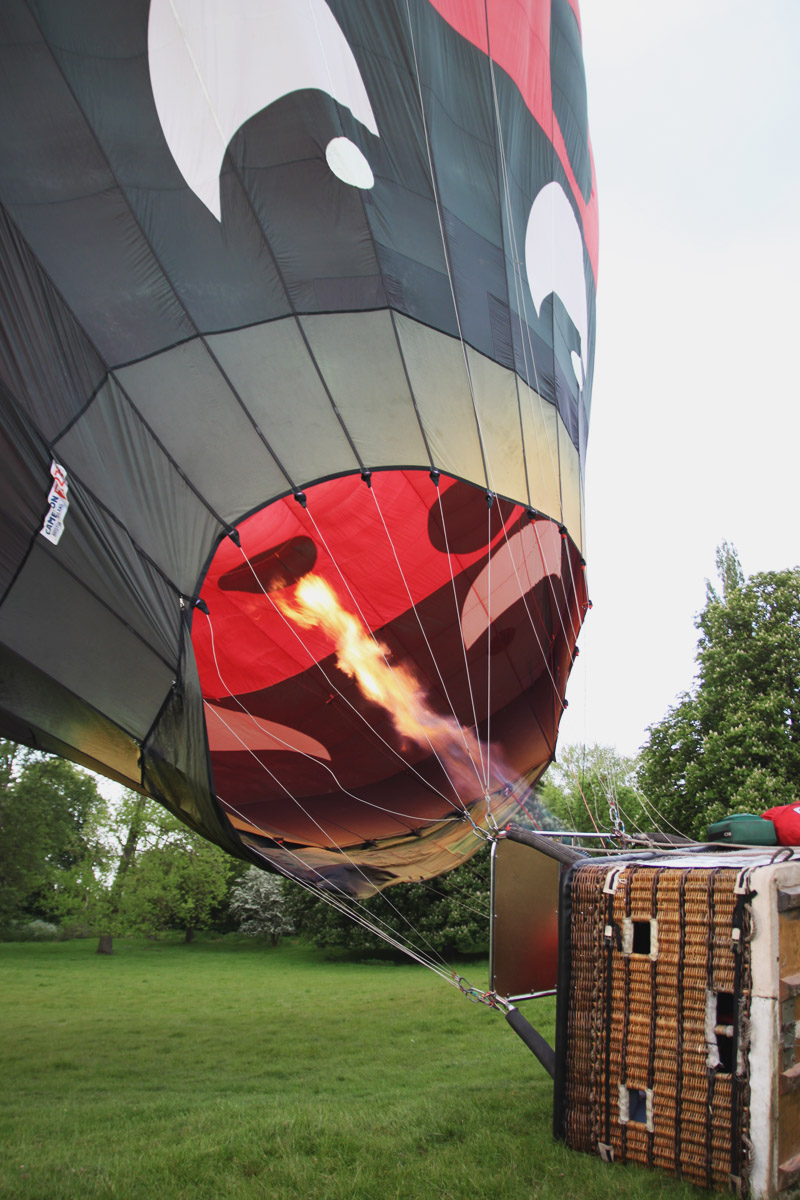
(392, 315)
(445, 249)
(518, 281)
(461, 807)
(582, 794)
(525, 592)
(484, 771)
(527, 346)
(573, 630)
(149, 243)
(567, 602)
(489, 508)
(288, 745)
(553, 318)
(340, 900)
(484, 784)
(344, 580)
(516, 265)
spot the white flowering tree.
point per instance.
(257, 902)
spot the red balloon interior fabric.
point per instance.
(481, 603)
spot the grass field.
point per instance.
(225, 1070)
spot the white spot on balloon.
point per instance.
(232, 730)
(215, 64)
(348, 163)
(577, 367)
(554, 259)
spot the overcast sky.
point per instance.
(694, 110)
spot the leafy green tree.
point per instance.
(258, 901)
(177, 880)
(150, 874)
(50, 815)
(446, 916)
(67, 856)
(90, 893)
(732, 743)
(588, 785)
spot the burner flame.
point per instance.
(393, 686)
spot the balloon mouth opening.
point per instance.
(436, 585)
(274, 569)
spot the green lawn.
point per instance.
(225, 1069)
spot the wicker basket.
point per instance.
(654, 1018)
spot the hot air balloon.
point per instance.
(297, 311)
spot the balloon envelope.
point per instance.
(296, 293)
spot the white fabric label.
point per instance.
(59, 503)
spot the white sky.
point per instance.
(694, 111)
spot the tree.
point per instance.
(258, 902)
(67, 856)
(130, 819)
(155, 874)
(50, 815)
(446, 916)
(732, 743)
(177, 881)
(587, 785)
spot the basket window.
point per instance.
(641, 937)
(637, 1105)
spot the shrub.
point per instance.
(35, 931)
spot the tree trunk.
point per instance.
(104, 946)
(189, 935)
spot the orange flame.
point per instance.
(393, 686)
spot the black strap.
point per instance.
(609, 939)
(739, 1083)
(651, 1060)
(679, 1048)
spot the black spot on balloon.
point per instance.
(460, 523)
(273, 569)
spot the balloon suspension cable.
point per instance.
(595, 826)
(378, 928)
(326, 833)
(655, 814)
(519, 284)
(374, 926)
(481, 775)
(460, 805)
(354, 909)
(477, 995)
(454, 895)
(411, 817)
(520, 288)
(525, 594)
(617, 820)
(528, 355)
(459, 623)
(443, 237)
(489, 620)
(291, 626)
